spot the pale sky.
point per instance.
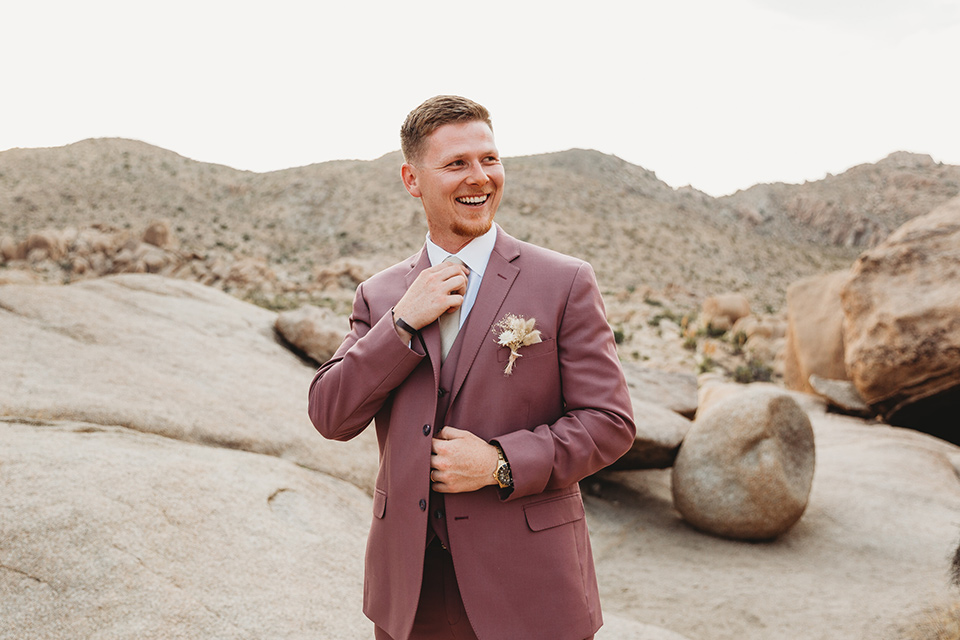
(718, 94)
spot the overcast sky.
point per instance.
(718, 94)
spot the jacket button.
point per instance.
(426, 429)
(441, 392)
(438, 514)
(423, 504)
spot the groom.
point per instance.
(492, 377)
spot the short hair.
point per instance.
(432, 114)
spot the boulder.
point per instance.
(315, 331)
(120, 534)
(745, 468)
(901, 309)
(814, 343)
(659, 434)
(722, 311)
(713, 388)
(670, 389)
(168, 357)
(841, 395)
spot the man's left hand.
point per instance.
(461, 462)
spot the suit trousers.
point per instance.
(440, 612)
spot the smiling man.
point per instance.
(492, 377)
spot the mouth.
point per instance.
(473, 201)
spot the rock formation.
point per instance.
(745, 468)
(901, 309)
(814, 343)
(166, 482)
(314, 331)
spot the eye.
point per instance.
(491, 159)
(456, 163)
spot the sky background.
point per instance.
(720, 95)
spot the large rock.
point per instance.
(902, 323)
(814, 343)
(315, 331)
(109, 533)
(168, 357)
(659, 434)
(675, 391)
(746, 466)
(882, 516)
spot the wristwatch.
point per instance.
(502, 473)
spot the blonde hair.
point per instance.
(432, 114)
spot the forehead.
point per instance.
(460, 139)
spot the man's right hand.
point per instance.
(437, 290)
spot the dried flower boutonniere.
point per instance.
(515, 332)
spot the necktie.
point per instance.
(449, 322)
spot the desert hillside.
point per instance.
(641, 234)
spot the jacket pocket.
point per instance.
(554, 512)
(379, 502)
(530, 351)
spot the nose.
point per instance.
(477, 176)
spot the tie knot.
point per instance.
(454, 260)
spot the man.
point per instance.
(478, 528)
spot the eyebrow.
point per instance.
(457, 156)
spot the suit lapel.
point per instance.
(497, 281)
(431, 332)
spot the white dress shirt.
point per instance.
(475, 255)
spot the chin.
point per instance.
(474, 229)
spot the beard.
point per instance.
(472, 228)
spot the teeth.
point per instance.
(472, 199)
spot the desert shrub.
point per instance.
(619, 335)
(738, 340)
(711, 332)
(753, 371)
(706, 365)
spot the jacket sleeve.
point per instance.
(597, 426)
(350, 388)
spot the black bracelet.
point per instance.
(403, 325)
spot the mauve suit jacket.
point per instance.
(523, 559)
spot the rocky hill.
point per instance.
(857, 208)
(641, 234)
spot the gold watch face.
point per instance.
(504, 477)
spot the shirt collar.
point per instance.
(475, 255)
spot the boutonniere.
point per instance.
(515, 332)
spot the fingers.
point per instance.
(436, 290)
(450, 433)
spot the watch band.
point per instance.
(502, 474)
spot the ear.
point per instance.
(409, 175)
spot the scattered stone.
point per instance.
(722, 311)
(745, 468)
(158, 234)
